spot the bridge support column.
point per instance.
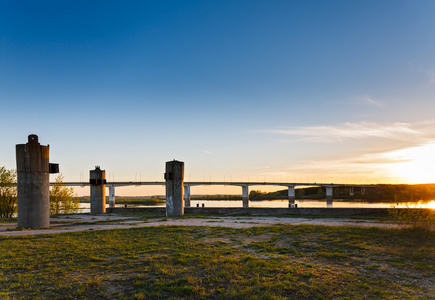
(245, 196)
(97, 179)
(329, 195)
(33, 184)
(291, 196)
(111, 196)
(186, 195)
(174, 177)
(351, 193)
(363, 190)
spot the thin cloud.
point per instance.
(368, 101)
(377, 160)
(361, 101)
(336, 170)
(431, 76)
(349, 165)
(348, 131)
(430, 73)
(383, 147)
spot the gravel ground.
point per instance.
(73, 223)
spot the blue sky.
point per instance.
(268, 90)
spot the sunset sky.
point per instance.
(325, 91)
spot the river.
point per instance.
(337, 203)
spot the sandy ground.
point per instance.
(83, 222)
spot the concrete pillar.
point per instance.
(97, 180)
(187, 196)
(33, 185)
(329, 194)
(291, 196)
(174, 177)
(245, 196)
(351, 193)
(363, 190)
(111, 196)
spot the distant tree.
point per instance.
(320, 194)
(256, 195)
(62, 198)
(8, 193)
(300, 193)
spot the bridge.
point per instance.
(33, 169)
(244, 185)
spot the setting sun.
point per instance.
(414, 165)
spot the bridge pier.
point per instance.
(187, 195)
(174, 177)
(97, 179)
(111, 196)
(245, 196)
(363, 190)
(291, 196)
(351, 193)
(329, 195)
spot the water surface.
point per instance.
(85, 207)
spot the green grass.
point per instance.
(8, 220)
(276, 262)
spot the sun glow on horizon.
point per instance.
(414, 165)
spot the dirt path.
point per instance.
(73, 223)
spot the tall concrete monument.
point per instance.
(97, 179)
(174, 177)
(33, 184)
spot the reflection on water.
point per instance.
(85, 207)
(310, 203)
(300, 203)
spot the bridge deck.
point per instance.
(240, 183)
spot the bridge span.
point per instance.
(243, 184)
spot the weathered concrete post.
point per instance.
(97, 179)
(291, 196)
(111, 196)
(245, 196)
(329, 195)
(174, 177)
(187, 195)
(33, 185)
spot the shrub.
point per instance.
(413, 217)
(62, 198)
(8, 193)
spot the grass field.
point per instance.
(276, 262)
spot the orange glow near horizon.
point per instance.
(414, 165)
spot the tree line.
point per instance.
(380, 193)
(62, 199)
